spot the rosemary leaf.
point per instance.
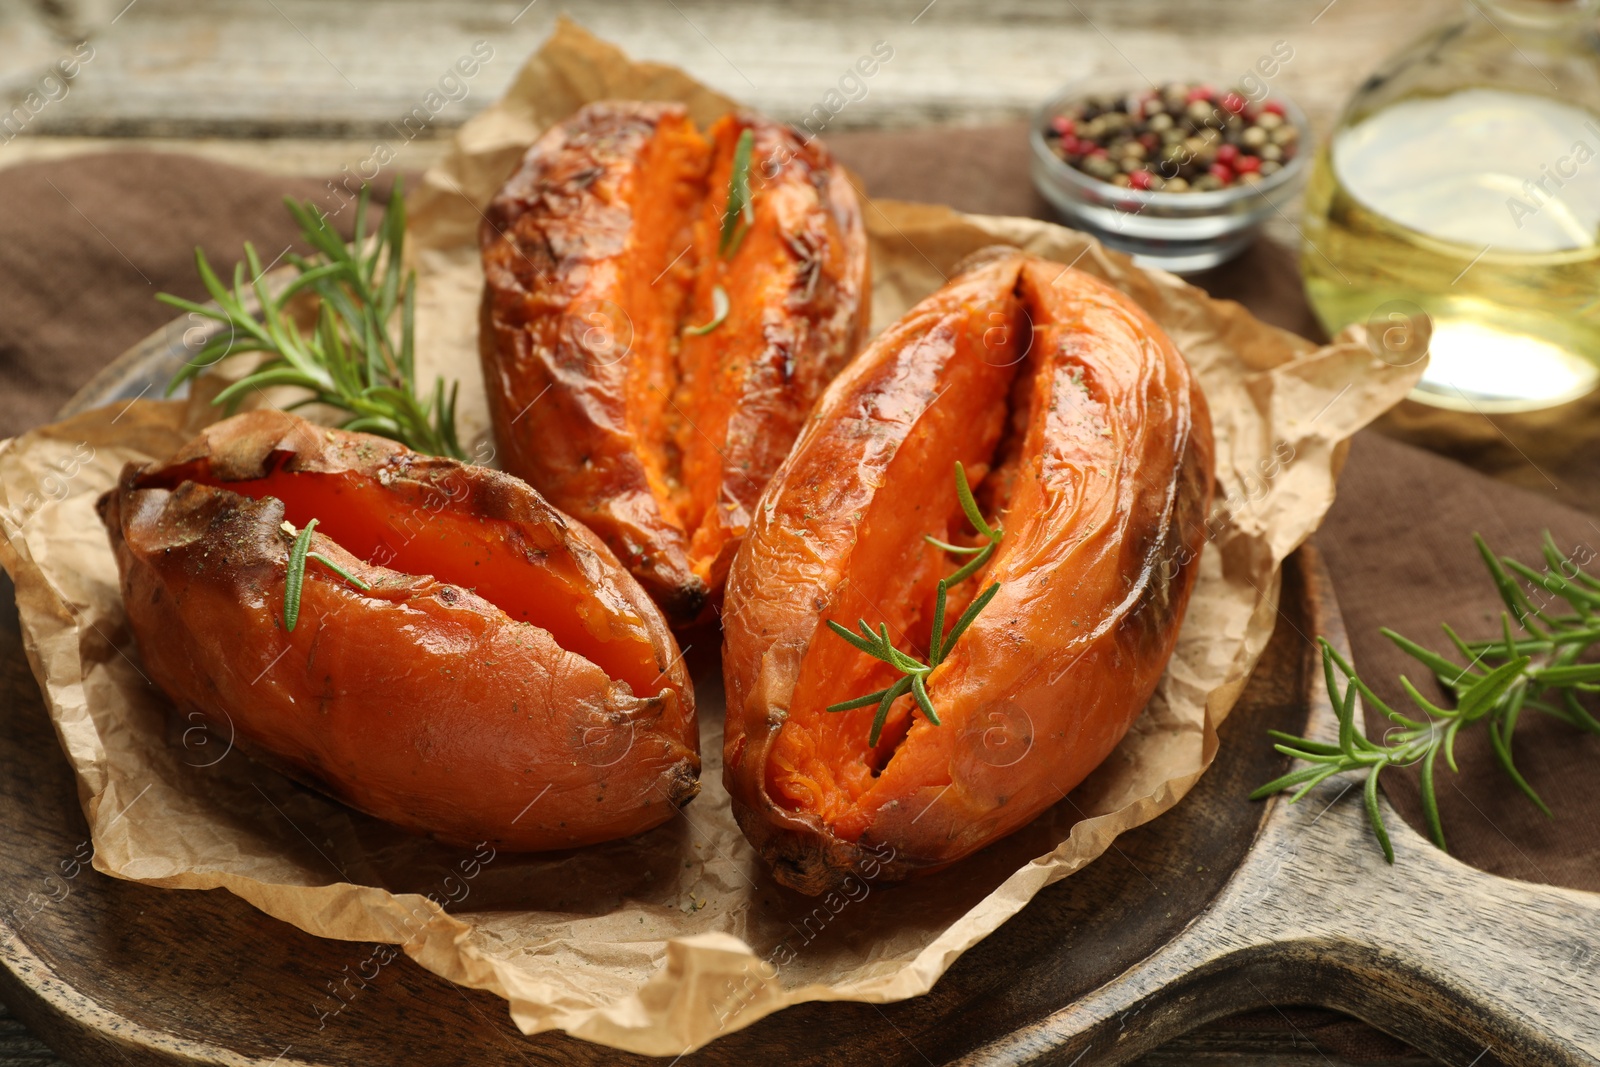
(970, 506)
(719, 311)
(1502, 753)
(1521, 607)
(1318, 747)
(920, 690)
(739, 214)
(1430, 799)
(968, 616)
(1374, 816)
(858, 702)
(1322, 775)
(1487, 691)
(295, 577)
(964, 550)
(340, 571)
(890, 695)
(1446, 671)
(1277, 785)
(866, 646)
(1584, 672)
(980, 553)
(936, 634)
(1579, 714)
(973, 565)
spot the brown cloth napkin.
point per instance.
(86, 243)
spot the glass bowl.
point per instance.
(1181, 232)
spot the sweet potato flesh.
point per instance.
(653, 285)
(822, 761)
(528, 582)
(747, 386)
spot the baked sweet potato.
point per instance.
(1090, 447)
(501, 677)
(616, 387)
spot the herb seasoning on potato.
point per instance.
(1087, 442)
(458, 658)
(661, 310)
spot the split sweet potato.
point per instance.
(1089, 444)
(501, 677)
(649, 355)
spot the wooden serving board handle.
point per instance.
(1469, 967)
(1472, 968)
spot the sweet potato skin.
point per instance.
(599, 253)
(1101, 449)
(559, 330)
(417, 701)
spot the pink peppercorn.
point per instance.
(1222, 172)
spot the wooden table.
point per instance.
(306, 86)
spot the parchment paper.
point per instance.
(661, 943)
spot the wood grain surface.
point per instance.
(314, 68)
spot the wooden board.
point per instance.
(1218, 906)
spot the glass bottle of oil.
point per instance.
(1463, 180)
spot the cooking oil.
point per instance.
(1481, 208)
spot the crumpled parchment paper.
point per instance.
(660, 943)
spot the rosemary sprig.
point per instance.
(1501, 679)
(356, 358)
(915, 671)
(738, 216)
(980, 553)
(294, 580)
